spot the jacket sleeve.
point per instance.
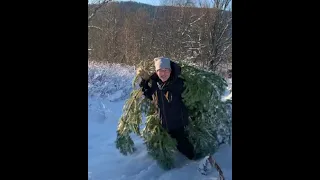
(148, 91)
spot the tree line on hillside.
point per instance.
(129, 32)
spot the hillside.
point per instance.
(127, 32)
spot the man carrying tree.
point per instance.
(166, 90)
(189, 116)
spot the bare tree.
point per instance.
(221, 34)
(128, 32)
(208, 37)
(93, 7)
(96, 7)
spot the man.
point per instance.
(167, 89)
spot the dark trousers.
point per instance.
(183, 144)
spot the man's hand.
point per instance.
(142, 73)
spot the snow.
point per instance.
(228, 92)
(109, 86)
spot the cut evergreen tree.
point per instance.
(208, 119)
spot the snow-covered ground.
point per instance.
(109, 86)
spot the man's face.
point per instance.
(164, 74)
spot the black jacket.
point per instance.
(173, 112)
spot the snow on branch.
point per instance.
(95, 27)
(197, 20)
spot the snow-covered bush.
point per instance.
(112, 81)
